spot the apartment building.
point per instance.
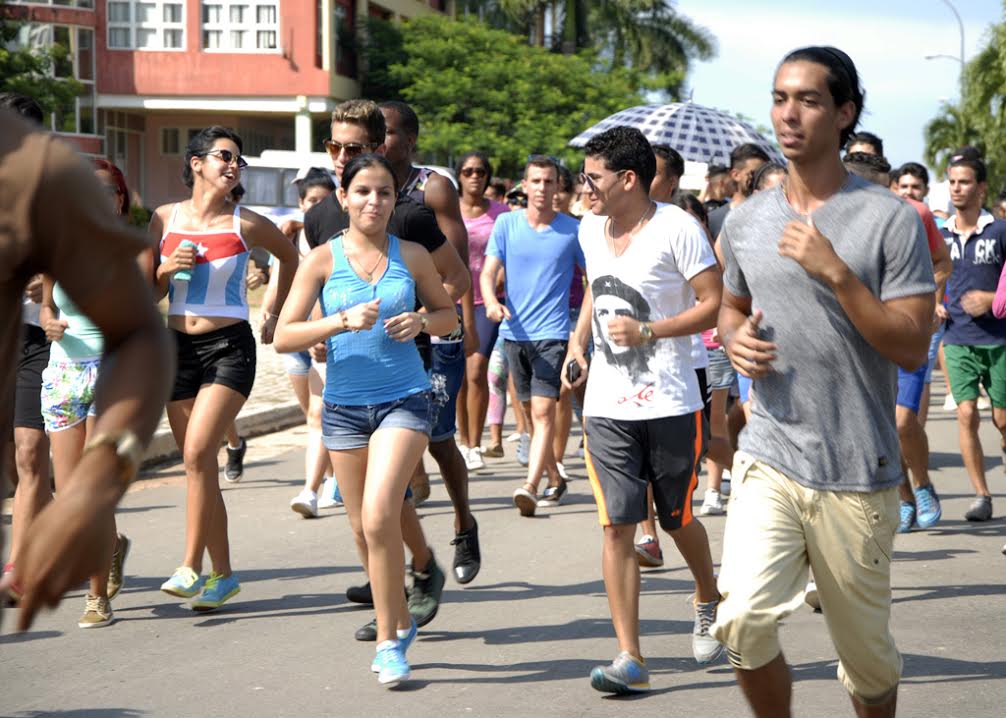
(156, 71)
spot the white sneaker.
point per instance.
(464, 452)
(329, 497)
(562, 470)
(705, 648)
(725, 484)
(713, 504)
(524, 449)
(513, 437)
(473, 458)
(306, 504)
(811, 597)
(949, 404)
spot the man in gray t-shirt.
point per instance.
(828, 287)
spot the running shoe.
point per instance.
(553, 495)
(625, 675)
(928, 510)
(712, 504)
(117, 572)
(360, 594)
(810, 596)
(405, 639)
(473, 459)
(648, 552)
(525, 501)
(217, 591)
(524, 450)
(330, 496)
(427, 588)
(705, 648)
(13, 590)
(562, 471)
(235, 468)
(983, 403)
(514, 437)
(981, 509)
(467, 554)
(949, 404)
(97, 612)
(420, 488)
(906, 516)
(367, 632)
(184, 583)
(306, 504)
(493, 452)
(392, 668)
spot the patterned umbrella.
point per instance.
(700, 134)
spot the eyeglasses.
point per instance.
(473, 172)
(591, 184)
(352, 149)
(227, 156)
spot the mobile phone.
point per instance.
(573, 371)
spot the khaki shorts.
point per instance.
(776, 529)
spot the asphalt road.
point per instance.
(519, 641)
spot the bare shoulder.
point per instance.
(440, 191)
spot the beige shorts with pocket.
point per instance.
(776, 529)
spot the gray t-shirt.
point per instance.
(716, 219)
(825, 415)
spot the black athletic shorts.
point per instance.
(624, 457)
(536, 367)
(28, 395)
(224, 356)
(707, 396)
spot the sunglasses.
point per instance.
(352, 149)
(473, 172)
(227, 156)
(589, 182)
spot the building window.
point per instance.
(240, 25)
(146, 25)
(171, 141)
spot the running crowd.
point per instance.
(409, 306)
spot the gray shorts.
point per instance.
(536, 367)
(720, 373)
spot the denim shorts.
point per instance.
(934, 350)
(345, 427)
(447, 374)
(720, 372)
(297, 363)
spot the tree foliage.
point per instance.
(32, 72)
(478, 88)
(650, 36)
(979, 118)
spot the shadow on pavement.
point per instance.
(993, 527)
(917, 669)
(537, 633)
(929, 593)
(12, 638)
(142, 509)
(937, 555)
(84, 713)
(653, 583)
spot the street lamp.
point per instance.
(960, 58)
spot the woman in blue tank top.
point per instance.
(377, 416)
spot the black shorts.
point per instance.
(224, 356)
(624, 457)
(28, 395)
(536, 367)
(707, 396)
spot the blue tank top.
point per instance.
(369, 367)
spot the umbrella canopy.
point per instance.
(700, 134)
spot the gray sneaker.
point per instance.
(427, 588)
(981, 509)
(625, 675)
(705, 648)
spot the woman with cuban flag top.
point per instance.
(204, 247)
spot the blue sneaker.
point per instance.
(329, 497)
(625, 675)
(184, 583)
(405, 639)
(928, 503)
(391, 663)
(217, 592)
(907, 517)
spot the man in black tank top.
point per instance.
(447, 365)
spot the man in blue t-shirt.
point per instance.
(537, 249)
(975, 341)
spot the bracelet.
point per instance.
(273, 315)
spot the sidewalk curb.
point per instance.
(268, 420)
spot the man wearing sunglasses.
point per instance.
(358, 127)
(537, 249)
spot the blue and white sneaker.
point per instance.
(391, 663)
(217, 592)
(907, 517)
(329, 496)
(405, 639)
(625, 675)
(184, 583)
(928, 511)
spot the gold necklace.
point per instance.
(380, 256)
(632, 232)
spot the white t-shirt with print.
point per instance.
(648, 282)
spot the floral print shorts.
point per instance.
(68, 393)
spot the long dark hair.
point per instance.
(201, 143)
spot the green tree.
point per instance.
(979, 118)
(479, 88)
(45, 74)
(650, 36)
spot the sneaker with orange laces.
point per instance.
(648, 552)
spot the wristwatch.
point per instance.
(646, 332)
(128, 450)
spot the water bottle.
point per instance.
(184, 275)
